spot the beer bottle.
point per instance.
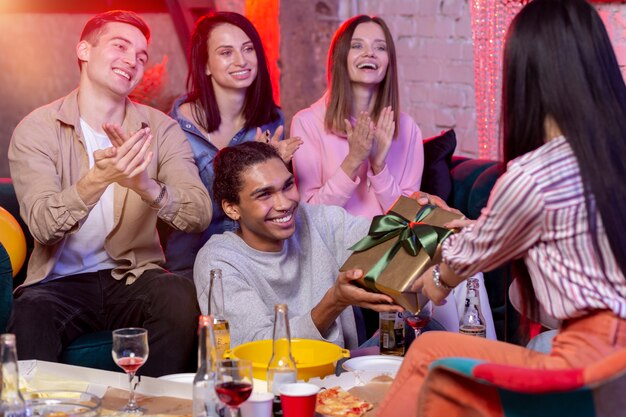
(282, 367)
(11, 401)
(205, 402)
(391, 333)
(216, 309)
(472, 322)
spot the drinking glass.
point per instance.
(130, 351)
(233, 383)
(420, 320)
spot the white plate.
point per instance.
(382, 363)
(184, 378)
(259, 385)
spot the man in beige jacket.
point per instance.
(93, 171)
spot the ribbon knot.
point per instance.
(413, 236)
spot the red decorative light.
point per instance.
(264, 15)
(490, 20)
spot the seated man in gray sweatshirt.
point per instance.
(285, 251)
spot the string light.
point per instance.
(490, 20)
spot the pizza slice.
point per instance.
(335, 402)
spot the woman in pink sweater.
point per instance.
(359, 152)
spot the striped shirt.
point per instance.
(537, 212)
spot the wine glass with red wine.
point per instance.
(130, 351)
(420, 320)
(233, 383)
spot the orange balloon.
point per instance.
(13, 240)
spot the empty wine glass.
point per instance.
(233, 383)
(420, 320)
(130, 351)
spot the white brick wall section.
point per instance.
(435, 59)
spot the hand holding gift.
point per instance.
(347, 293)
(399, 248)
(425, 285)
(424, 199)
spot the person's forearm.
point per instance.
(449, 277)
(326, 312)
(351, 167)
(90, 188)
(151, 191)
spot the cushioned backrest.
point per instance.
(479, 194)
(8, 201)
(464, 176)
(6, 288)
(438, 150)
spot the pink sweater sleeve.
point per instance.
(407, 158)
(319, 152)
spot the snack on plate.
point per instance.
(335, 402)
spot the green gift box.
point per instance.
(399, 247)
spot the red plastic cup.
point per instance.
(298, 399)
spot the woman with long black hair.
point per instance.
(560, 206)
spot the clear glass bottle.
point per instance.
(221, 327)
(282, 367)
(11, 401)
(205, 401)
(472, 322)
(391, 333)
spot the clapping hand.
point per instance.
(127, 160)
(286, 148)
(360, 142)
(383, 135)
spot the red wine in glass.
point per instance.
(420, 320)
(130, 351)
(130, 364)
(233, 383)
(417, 323)
(233, 393)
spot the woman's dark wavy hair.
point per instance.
(559, 63)
(231, 162)
(259, 107)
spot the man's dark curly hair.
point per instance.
(231, 162)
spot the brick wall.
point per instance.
(434, 45)
(614, 17)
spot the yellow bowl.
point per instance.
(314, 358)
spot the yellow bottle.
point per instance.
(221, 328)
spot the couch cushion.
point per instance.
(8, 201)
(91, 350)
(464, 176)
(482, 189)
(6, 288)
(438, 152)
